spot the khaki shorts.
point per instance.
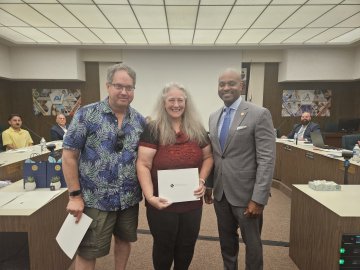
(97, 240)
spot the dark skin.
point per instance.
(229, 90)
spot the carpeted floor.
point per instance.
(207, 255)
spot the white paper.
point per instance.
(178, 185)
(32, 199)
(7, 197)
(71, 233)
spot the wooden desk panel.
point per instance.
(41, 227)
(297, 164)
(316, 231)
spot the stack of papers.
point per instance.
(324, 185)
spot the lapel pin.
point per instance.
(242, 114)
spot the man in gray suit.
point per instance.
(244, 164)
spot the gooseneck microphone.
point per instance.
(31, 131)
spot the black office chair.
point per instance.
(348, 141)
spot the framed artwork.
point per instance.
(316, 102)
(54, 101)
(245, 76)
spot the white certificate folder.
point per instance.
(178, 185)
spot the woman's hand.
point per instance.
(158, 203)
(200, 191)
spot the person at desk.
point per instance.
(15, 137)
(303, 129)
(58, 130)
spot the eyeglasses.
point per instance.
(127, 88)
(119, 145)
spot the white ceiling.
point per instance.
(180, 22)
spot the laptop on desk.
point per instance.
(318, 141)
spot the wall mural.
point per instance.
(54, 101)
(316, 102)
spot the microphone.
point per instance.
(278, 135)
(32, 132)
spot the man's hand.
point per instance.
(208, 196)
(253, 210)
(75, 207)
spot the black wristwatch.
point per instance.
(75, 193)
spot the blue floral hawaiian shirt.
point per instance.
(107, 173)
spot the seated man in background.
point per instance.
(58, 130)
(15, 137)
(303, 129)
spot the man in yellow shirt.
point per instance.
(15, 137)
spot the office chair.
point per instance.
(348, 141)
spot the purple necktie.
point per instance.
(225, 128)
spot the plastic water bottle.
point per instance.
(296, 138)
(43, 144)
(356, 153)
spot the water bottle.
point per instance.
(296, 138)
(43, 144)
(356, 153)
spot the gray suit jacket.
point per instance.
(244, 170)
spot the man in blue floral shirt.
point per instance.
(99, 156)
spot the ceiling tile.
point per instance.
(120, 16)
(151, 16)
(132, 36)
(328, 35)
(336, 15)
(353, 21)
(217, 2)
(350, 2)
(146, 2)
(84, 35)
(181, 36)
(205, 36)
(278, 35)
(323, 2)
(157, 36)
(288, 2)
(303, 35)
(90, 15)
(11, 1)
(34, 34)
(181, 16)
(229, 36)
(243, 16)
(252, 2)
(108, 35)
(41, 1)
(76, 1)
(211, 17)
(254, 35)
(58, 14)
(305, 15)
(118, 2)
(181, 2)
(14, 36)
(273, 16)
(352, 36)
(27, 14)
(9, 20)
(59, 35)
